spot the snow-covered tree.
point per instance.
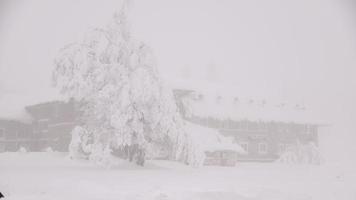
(302, 154)
(123, 100)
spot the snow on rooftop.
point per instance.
(12, 105)
(210, 139)
(220, 101)
(216, 88)
(225, 108)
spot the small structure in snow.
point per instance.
(216, 149)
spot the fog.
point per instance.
(290, 51)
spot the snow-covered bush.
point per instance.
(48, 150)
(301, 154)
(101, 155)
(123, 100)
(22, 150)
(79, 147)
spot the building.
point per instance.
(15, 134)
(38, 127)
(265, 130)
(52, 123)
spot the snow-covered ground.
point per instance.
(51, 176)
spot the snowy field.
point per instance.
(50, 176)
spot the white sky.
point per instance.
(296, 51)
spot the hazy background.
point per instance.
(292, 51)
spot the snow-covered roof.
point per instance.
(211, 87)
(210, 139)
(12, 104)
(235, 103)
(234, 108)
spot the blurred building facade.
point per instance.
(50, 126)
(263, 130)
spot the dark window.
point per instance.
(244, 145)
(262, 148)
